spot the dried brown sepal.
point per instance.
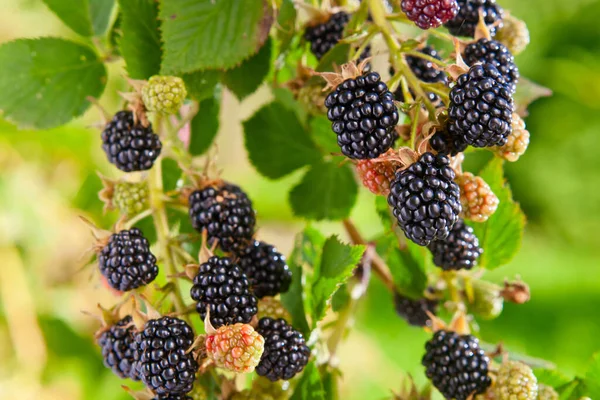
(401, 158)
(101, 236)
(516, 292)
(206, 252)
(481, 30)
(208, 326)
(145, 394)
(190, 271)
(135, 102)
(436, 323)
(403, 132)
(348, 71)
(316, 15)
(456, 70)
(106, 194)
(428, 129)
(460, 323)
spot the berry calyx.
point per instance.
(266, 269)
(466, 20)
(237, 347)
(415, 312)
(323, 37)
(285, 354)
(477, 199)
(126, 260)
(128, 145)
(460, 250)
(221, 286)
(517, 142)
(487, 51)
(117, 347)
(164, 94)
(425, 199)
(429, 13)
(515, 380)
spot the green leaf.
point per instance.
(338, 260)
(171, 173)
(527, 93)
(310, 386)
(407, 267)
(201, 84)
(44, 82)
(246, 78)
(551, 377)
(327, 191)
(340, 298)
(320, 130)
(285, 97)
(592, 377)
(205, 125)
(85, 17)
(337, 56)
(277, 143)
(286, 22)
(208, 34)
(500, 236)
(140, 43)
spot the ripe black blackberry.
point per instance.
(221, 285)
(173, 397)
(323, 37)
(130, 146)
(456, 365)
(226, 212)
(460, 250)
(424, 70)
(425, 199)
(444, 143)
(266, 269)
(415, 311)
(117, 348)
(481, 107)
(466, 20)
(487, 51)
(429, 13)
(286, 352)
(363, 116)
(164, 364)
(126, 260)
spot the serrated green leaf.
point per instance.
(285, 97)
(408, 270)
(84, 17)
(205, 125)
(592, 377)
(551, 377)
(208, 34)
(100, 11)
(320, 130)
(277, 143)
(500, 236)
(140, 43)
(340, 298)
(327, 191)
(383, 210)
(330, 379)
(338, 260)
(171, 173)
(201, 84)
(41, 89)
(245, 79)
(310, 386)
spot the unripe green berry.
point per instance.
(164, 94)
(131, 198)
(487, 301)
(546, 392)
(515, 381)
(513, 34)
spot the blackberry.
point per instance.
(424, 70)
(285, 354)
(323, 37)
(425, 199)
(221, 285)
(481, 107)
(117, 348)
(444, 143)
(226, 212)
(429, 13)
(456, 365)
(465, 22)
(415, 311)
(517, 142)
(172, 397)
(363, 116)
(493, 52)
(126, 260)
(266, 269)
(164, 364)
(460, 250)
(130, 146)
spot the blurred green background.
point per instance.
(49, 178)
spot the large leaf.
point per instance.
(209, 34)
(327, 191)
(246, 78)
(320, 130)
(44, 82)
(338, 260)
(500, 236)
(201, 84)
(592, 377)
(286, 24)
(310, 386)
(205, 125)
(85, 17)
(407, 267)
(277, 143)
(140, 43)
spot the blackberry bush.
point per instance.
(415, 311)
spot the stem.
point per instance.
(433, 60)
(340, 328)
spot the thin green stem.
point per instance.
(427, 57)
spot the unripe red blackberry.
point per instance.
(477, 199)
(514, 34)
(164, 363)
(456, 365)
(222, 286)
(117, 347)
(237, 347)
(460, 250)
(487, 51)
(323, 37)
(129, 146)
(429, 13)
(266, 269)
(363, 116)
(285, 354)
(425, 70)
(377, 175)
(415, 311)
(225, 212)
(466, 20)
(425, 199)
(515, 381)
(126, 260)
(481, 107)
(517, 142)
